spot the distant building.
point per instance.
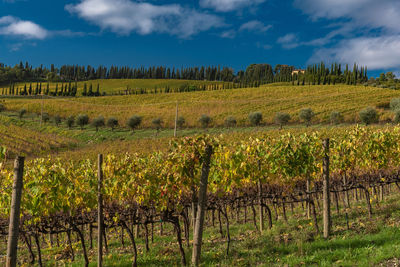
(298, 71)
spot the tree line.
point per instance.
(64, 89)
(254, 73)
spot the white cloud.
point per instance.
(21, 28)
(289, 41)
(125, 16)
(255, 26)
(229, 5)
(230, 34)
(369, 30)
(374, 52)
(384, 14)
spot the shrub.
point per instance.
(180, 122)
(98, 122)
(112, 123)
(397, 116)
(282, 118)
(57, 120)
(134, 122)
(395, 103)
(369, 115)
(82, 120)
(70, 121)
(230, 121)
(255, 118)
(336, 117)
(45, 117)
(205, 120)
(306, 115)
(2, 108)
(157, 123)
(21, 113)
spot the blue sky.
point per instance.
(232, 33)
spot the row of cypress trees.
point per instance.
(261, 73)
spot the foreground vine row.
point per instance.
(266, 173)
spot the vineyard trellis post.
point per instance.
(12, 245)
(201, 206)
(176, 119)
(100, 224)
(41, 111)
(326, 191)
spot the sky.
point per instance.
(232, 33)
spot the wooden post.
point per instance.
(13, 232)
(260, 202)
(308, 189)
(260, 207)
(41, 112)
(201, 206)
(100, 225)
(326, 191)
(176, 119)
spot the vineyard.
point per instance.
(220, 104)
(256, 180)
(119, 86)
(23, 141)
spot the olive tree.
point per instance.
(282, 118)
(230, 121)
(395, 103)
(98, 122)
(306, 115)
(112, 123)
(157, 123)
(57, 120)
(369, 115)
(70, 121)
(205, 120)
(134, 122)
(82, 120)
(180, 122)
(255, 118)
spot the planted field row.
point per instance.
(219, 105)
(22, 141)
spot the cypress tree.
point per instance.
(90, 90)
(84, 93)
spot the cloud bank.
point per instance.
(229, 5)
(374, 52)
(12, 26)
(379, 45)
(125, 16)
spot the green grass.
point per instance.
(367, 242)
